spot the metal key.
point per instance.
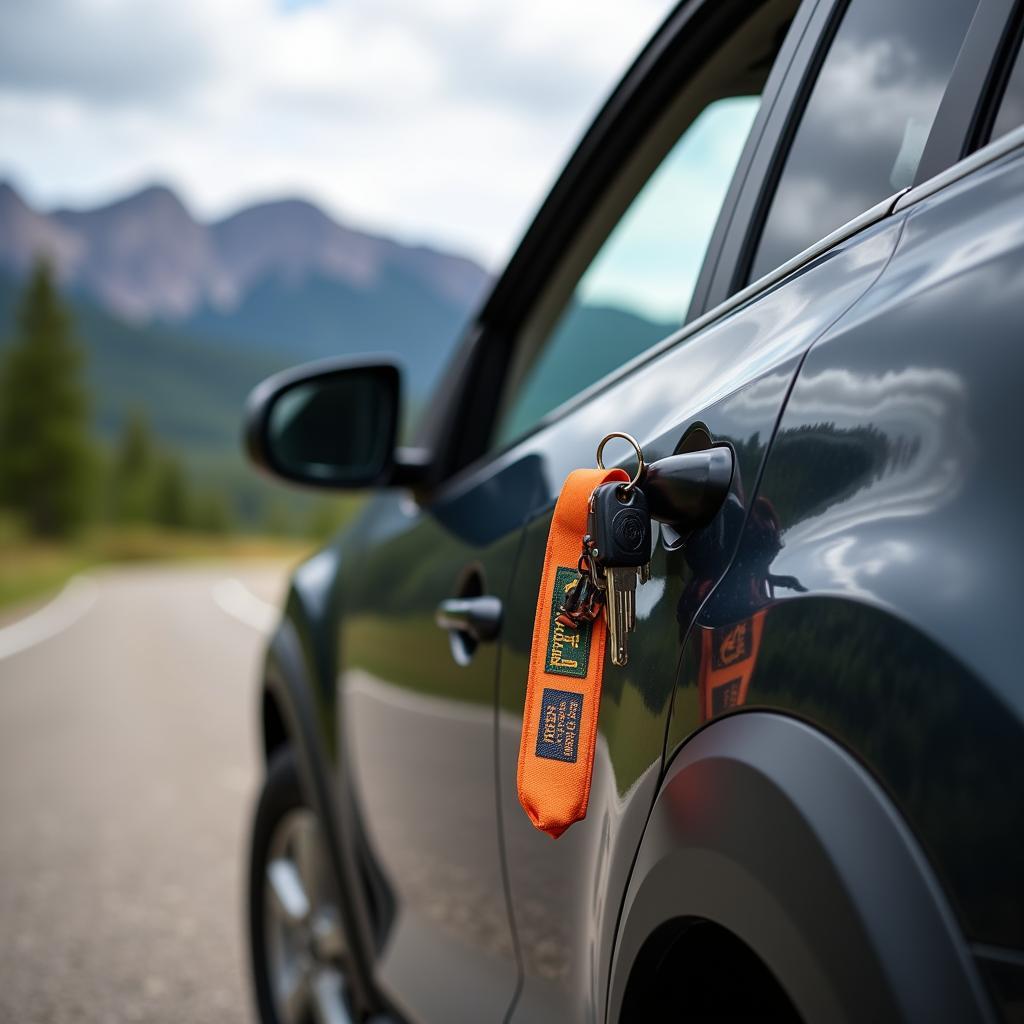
(619, 526)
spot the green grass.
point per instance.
(31, 569)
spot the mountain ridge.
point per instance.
(144, 257)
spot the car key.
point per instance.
(619, 527)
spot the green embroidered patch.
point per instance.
(568, 649)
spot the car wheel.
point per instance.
(296, 937)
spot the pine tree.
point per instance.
(135, 472)
(213, 513)
(46, 456)
(172, 500)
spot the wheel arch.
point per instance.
(273, 731)
(723, 978)
(767, 828)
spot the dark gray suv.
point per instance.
(795, 232)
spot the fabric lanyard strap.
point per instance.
(563, 690)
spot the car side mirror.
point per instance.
(327, 424)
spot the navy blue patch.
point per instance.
(559, 733)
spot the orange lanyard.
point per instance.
(563, 690)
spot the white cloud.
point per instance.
(443, 121)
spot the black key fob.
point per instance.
(619, 526)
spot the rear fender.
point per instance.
(768, 828)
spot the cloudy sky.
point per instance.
(440, 121)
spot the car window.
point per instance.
(867, 119)
(628, 281)
(1010, 114)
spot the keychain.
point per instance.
(598, 547)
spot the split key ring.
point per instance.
(640, 466)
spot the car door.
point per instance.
(417, 731)
(722, 380)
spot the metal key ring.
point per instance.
(640, 467)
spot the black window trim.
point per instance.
(1013, 43)
(960, 121)
(776, 97)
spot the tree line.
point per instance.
(56, 477)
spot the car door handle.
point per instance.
(478, 617)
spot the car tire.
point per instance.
(295, 935)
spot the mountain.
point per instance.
(142, 258)
(181, 318)
(24, 234)
(609, 335)
(292, 239)
(281, 278)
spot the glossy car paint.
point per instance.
(732, 378)
(405, 710)
(768, 828)
(893, 487)
(418, 730)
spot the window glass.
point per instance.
(1011, 108)
(648, 238)
(639, 286)
(650, 263)
(866, 123)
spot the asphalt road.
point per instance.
(128, 767)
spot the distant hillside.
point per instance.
(192, 390)
(181, 319)
(191, 387)
(610, 336)
(280, 278)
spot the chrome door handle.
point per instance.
(477, 617)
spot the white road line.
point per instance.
(77, 597)
(234, 598)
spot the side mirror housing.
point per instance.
(329, 424)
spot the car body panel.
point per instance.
(418, 733)
(731, 379)
(771, 830)
(862, 576)
(893, 487)
(863, 609)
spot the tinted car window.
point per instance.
(866, 122)
(638, 288)
(1011, 108)
(633, 286)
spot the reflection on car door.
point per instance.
(726, 385)
(723, 384)
(418, 732)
